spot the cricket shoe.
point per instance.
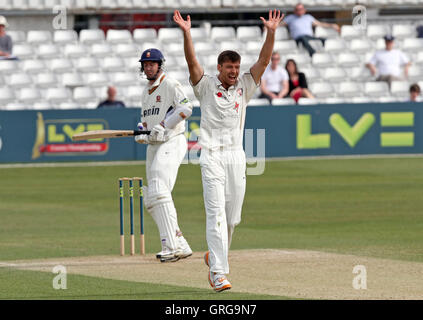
(183, 246)
(170, 256)
(221, 283)
(211, 274)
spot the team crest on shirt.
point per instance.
(239, 92)
(158, 99)
(236, 106)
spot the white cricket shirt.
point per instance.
(389, 62)
(161, 99)
(274, 78)
(223, 111)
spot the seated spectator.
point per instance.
(301, 25)
(6, 43)
(274, 82)
(297, 82)
(387, 63)
(111, 101)
(415, 93)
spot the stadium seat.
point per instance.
(16, 105)
(23, 51)
(335, 45)
(100, 50)
(75, 50)
(57, 95)
(88, 36)
(82, 95)
(124, 4)
(126, 50)
(219, 34)
(132, 64)
(19, 80)
(72, 79)
(8, 66)
(286, 46)
(17, 36)
(252, 33)
(87, 64)
(6, 5)
(29, 95)
(48, 51)
(174, 48)
(334, 74)
(335, 100)
(377, 31)
(311, 73)
(361, 100)
(253, 47)
(412, 45)
(118, 36)
(6, 95)
(60, 65)
(401, 31)
(202, 47)
(199, 34)
(96, 79)
(33, 66)
(46, 80)
(231, 45)
(181, 76)
(348, 59)
(415, 73)
(41, 105)
(322, 89)
(69, 105)
(376, 89)
(302, 59)
(351, 32)
(145, 34)
(361, 45)
(38, 36)
(400, 88)
(140, 4)
(307, 101)
(359, 74)
(170, 35)
(321, 32)
(134, 93)
(124, 78)
(349, 89)
(322, 60)
(283, 102)
(258, 102)
(65, 36)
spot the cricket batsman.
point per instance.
(164, 110)
(223, 101)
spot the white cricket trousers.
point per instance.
(163, 161)
(224, 181)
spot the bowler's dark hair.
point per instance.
(228, 55)
(415, 88)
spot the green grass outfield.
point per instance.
(366, 207)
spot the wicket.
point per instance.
(131, 215)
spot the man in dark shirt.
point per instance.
(6, 43)
(111, 100)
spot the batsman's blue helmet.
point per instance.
(152, 55)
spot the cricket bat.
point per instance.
(96, 134)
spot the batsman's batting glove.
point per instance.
(158, 134)
(142, 138)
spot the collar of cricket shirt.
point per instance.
(219, 83)
(156, 83)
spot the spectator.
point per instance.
(274, 82)
(111, 101)
(388, 62)
(6, 43)
(414, 92)
(297, 82)
(301, 25)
